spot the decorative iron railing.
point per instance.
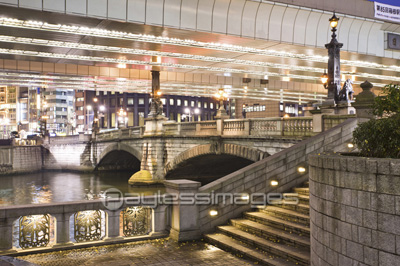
(76, 223)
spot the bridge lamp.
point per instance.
(95, 99)
(301, 169)
(350, 145)
(89, 107)
(102, 108)
(324, 79)
(274, 183)
(245, 197)
(213, 213)
(197, 111)
(333, 21)
(187, 110)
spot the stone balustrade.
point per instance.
(56, 225)
(253, 127)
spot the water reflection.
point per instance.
(45, 187)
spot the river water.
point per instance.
(47, 187)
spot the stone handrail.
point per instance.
(152, 209)
(331, 121)
(282, 167)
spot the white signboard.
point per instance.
(387, 12)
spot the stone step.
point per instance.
(301, 208)
(303, 199)
(296, 255)
(266, 219)
(271, 233)
(232, 245)
(302, 190)
(287, 215)
(291, 198)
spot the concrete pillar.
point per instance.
(62, 228)
(220, 126)
(184, 214)
(81, 136)
(113, 224)
(160, 221)
(6, 232)
(318, 123)
(364, 101)
(247, 128)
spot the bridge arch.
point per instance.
(244, 152)
(119, 152)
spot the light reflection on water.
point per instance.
(45, 187)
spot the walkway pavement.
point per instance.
(155, 252)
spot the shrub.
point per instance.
(380, 137)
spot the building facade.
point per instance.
(137, 108)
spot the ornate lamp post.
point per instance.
(221, 95)
(95, 125)
(333, 81)
(156, 107)
(122, 118)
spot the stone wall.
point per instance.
(281, 166)
(20, 159)
(75, 156)
(354, 210)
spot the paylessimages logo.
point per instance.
(114, 199)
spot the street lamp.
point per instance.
(88, 109)
(122, 118)
(190, 114)
(333, 81)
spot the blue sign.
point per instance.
(388, 2)
(386, 11)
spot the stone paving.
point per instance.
(154, 252)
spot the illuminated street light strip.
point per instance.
(194, 90)
(44, 26)
(140, 62)
(86, 78)
(46, 79)
(102, 48)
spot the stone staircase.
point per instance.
(277, 235)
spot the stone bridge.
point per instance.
(207, 149)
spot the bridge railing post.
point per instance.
(220, 126)
(6, 233)
(62, 228)
(318, 123)
(160, 220)
(185, 214)
(247, 127)
(113, 223)
(280, 126)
